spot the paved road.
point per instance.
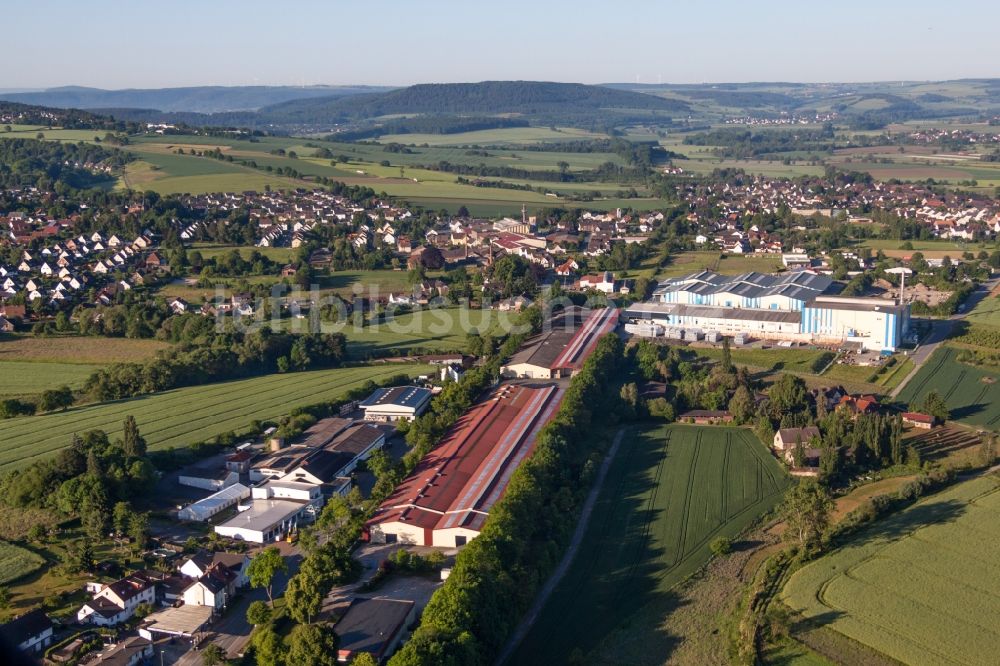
(941, 330)
(567, 559)
(232, 631)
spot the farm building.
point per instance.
(792, 307)
(376, 626)
(918, 420)
(446, 499)
(561, 350)
(393, 404)
(705, 416)
(215, 503)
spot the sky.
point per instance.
(137, 44)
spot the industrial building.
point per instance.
(561, 349)
(793, 307)
(215, 503)
(269, 520)
(398, 402)
(446, 499)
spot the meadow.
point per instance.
(430, 331)
(971, 393)
(918, 586)
(670, 491)
(685, 263)
(987, 311)
(17, 562)
(72, 349)
(809, 361)
(25, 378)
(187, 415)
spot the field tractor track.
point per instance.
(685, 515)
(955, 385)
(724, 487)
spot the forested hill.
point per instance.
(198, 99)
(490, 97)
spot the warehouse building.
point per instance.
(398, 402)
(215, 503)
(447, 498)
(561, 350)
(760, 291)
(269, 520)
(797, 311)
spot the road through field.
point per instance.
(567, 559)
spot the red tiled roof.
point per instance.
(462, 477)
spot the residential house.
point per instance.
(30, 633)
(115, 603)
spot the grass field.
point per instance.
(76, 349)
(187, 415)
(712, 260)
(987, 311)
(506, 135)
(437, 330)
(919, 586)
(24, 378)
(669, 492)
(16, 562)
(776, 358)
(972, 394)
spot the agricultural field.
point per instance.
(26, 378)
(187, 415)
(76, 349)
(212, 250)
(159, 168)
(436, 330)
(987, 311)
(504, 135)
(713, 260)
(16, 562)
(918, 586)
(809, 361)
(971, 393)
(669, 492)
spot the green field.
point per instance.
(919, 586)
(22, 378)
(972, 394)
(506, 135)
(713, 260)
(159, 168)
(434, 330)
(188, 415)
(775, 358)
(669, 492)
(16, 562)
(987, 311)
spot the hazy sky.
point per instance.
(119, 44)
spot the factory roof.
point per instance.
(856, 304)
(457, 483)
(400, 396)
(651, 310)
(799, 284)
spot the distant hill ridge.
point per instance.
(198, 99)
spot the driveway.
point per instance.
(232, 631)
